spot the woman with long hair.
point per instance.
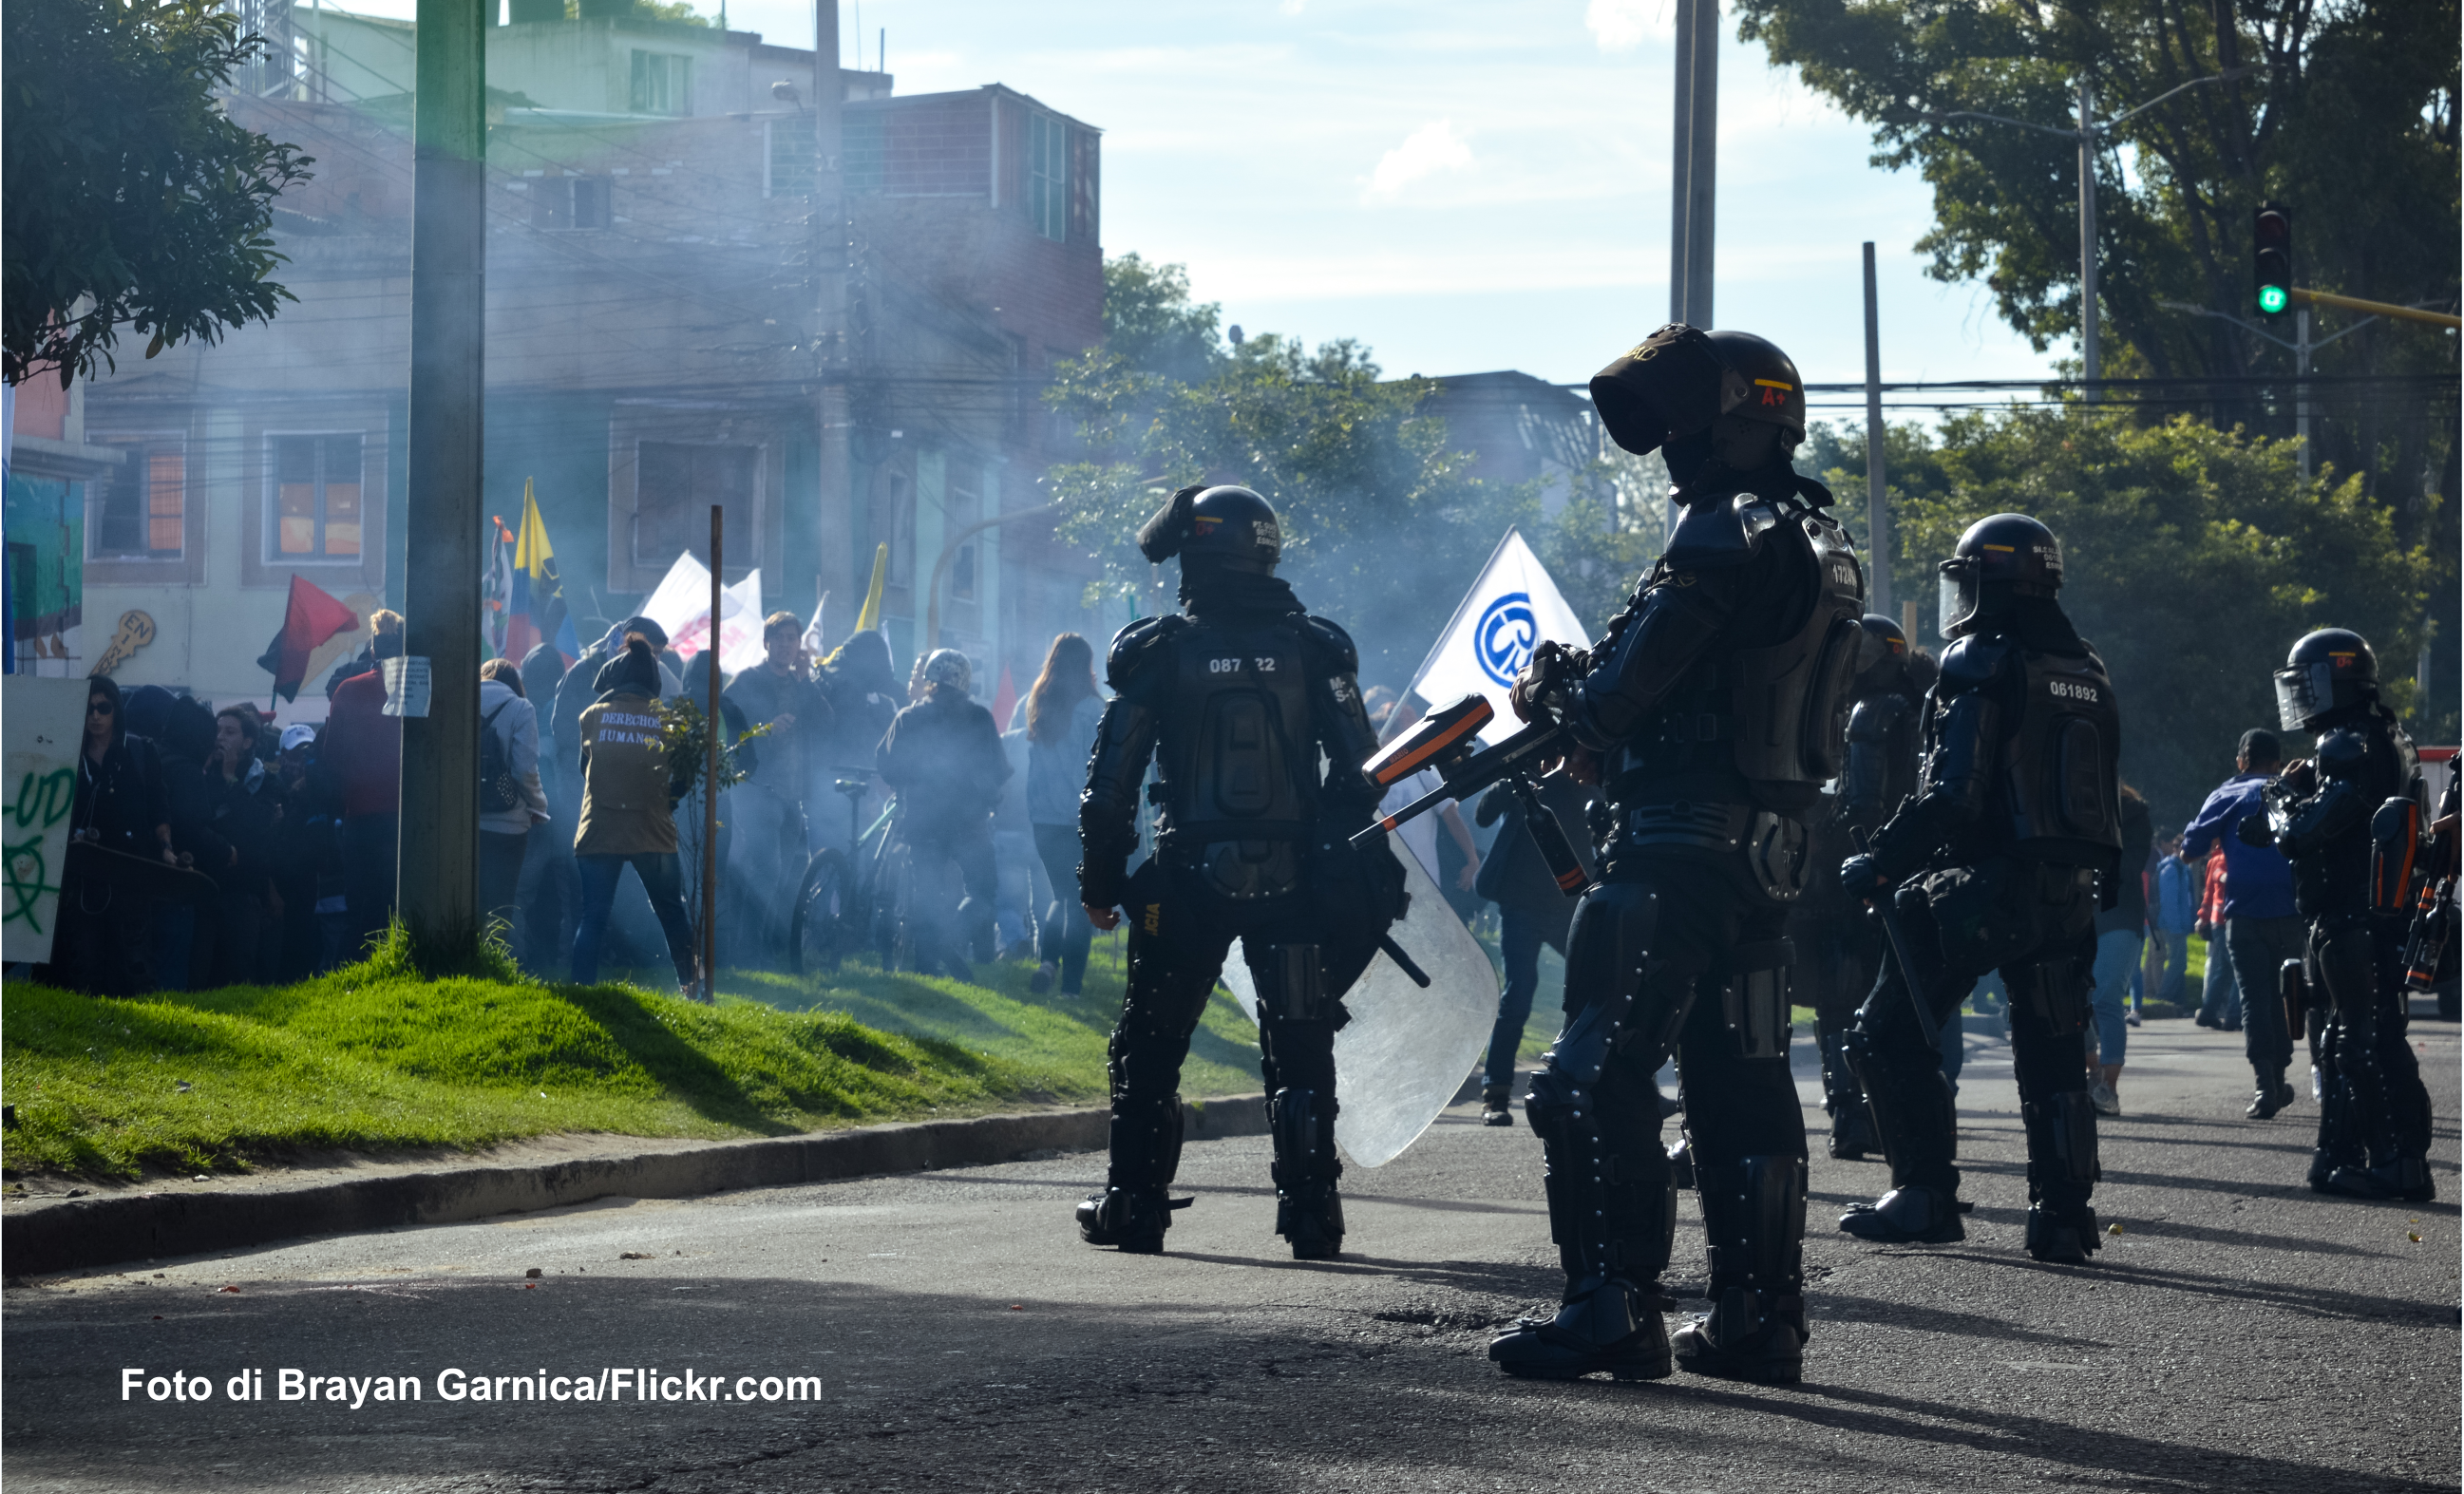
(1063, 710)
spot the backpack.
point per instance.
(498, 789)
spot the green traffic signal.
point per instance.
(2271, 257)
(2271, 298)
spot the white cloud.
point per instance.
(1623, 25)
(1430, 149)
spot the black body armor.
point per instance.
(1235, 716)
(2323, 826)
(1703, 704)
(2022, 758)
(1882, 757)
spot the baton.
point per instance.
(1404, 961)
(1898, 938)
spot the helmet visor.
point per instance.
(2304, 694)
(1957, 596)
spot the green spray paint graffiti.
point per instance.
(43, 799)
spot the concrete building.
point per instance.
(651, 243)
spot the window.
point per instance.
(674, 484)
(317, 497)
(569, 202)
(662, 84)
(1047, 181)
(959, 511)
(788, 172)
(140, 512)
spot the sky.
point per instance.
(1460, 186)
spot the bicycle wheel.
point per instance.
(817, 932)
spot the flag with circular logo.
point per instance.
(1510, 610)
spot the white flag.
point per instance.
(1511, 609)
(681, 604)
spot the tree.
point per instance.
(132, 199)
(2192, 558)
(1151, 325)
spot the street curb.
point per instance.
(80, 1234)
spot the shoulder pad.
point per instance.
(1133, 646)
(1710, 535)
(1336, 652)
(2341, 754)
(1971, 662)
(1874, 715)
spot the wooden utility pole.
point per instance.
(437, 864)
(710, 767)
(832, 518)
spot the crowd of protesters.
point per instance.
(247, 853)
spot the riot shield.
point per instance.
(1406, 1050)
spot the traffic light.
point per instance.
(2272, 264)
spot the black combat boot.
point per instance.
(2062, 1237)
(2402, 1178)
(1747, 1335)
(1852, 1129)
(1497, 1105)
(1607, 1324)
(1131, 1218)
(2273, 1094)
(1912, 1216)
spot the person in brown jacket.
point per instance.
(628, 797)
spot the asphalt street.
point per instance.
(2236, 1335)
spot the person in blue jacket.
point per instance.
(2261, 929)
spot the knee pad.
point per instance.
(1753, 1218)
(2071, 1124)
(1291, 983)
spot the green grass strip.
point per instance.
(372, 1057)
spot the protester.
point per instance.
(1532, 910)
(304, 853)
(362, 750)
(2220, 998)
(578, 687)
(183, 735)
(2119, 932)
(943, 757)
(511, 796)
(1063, 712)
(102, 939)
(767, 825)
(629, 795)
(2175, 912)
(2262, 929)
(550, 891)
(864, 693)
(242, 804)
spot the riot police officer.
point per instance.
(1846, 945)
(1711, 713)
(1235, 696)
(2374, 1128)
(2015, 823)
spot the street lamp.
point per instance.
(2087, 132)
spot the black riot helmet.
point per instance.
(2327, 671)
(1680, 379)
(1999, 560)
(1225, 527)
(1883, 656)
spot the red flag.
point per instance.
(310, 619)
(1004, 701)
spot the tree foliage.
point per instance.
(1384, 530)
(2346, 112)
(132, 199)
(1151, 325)
(2192, 558)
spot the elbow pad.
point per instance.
(1609, 704)
(1107, 811)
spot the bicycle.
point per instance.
(833, 915)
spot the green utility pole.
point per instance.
(439, 863)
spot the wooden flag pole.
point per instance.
(709, 774)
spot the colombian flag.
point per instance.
(536, 614)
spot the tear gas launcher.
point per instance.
(1447, 742)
